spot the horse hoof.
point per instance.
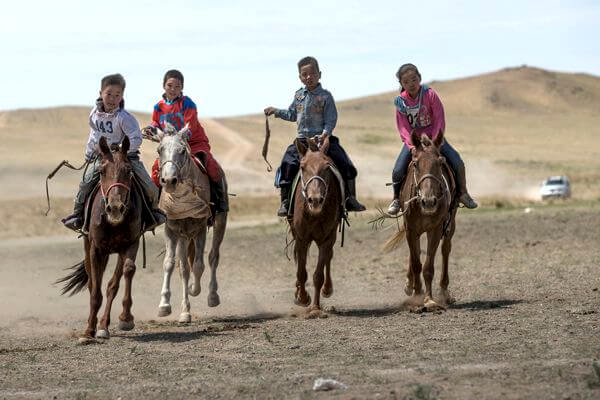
(431, 305)
(327, 293)
(103, 334)
(185, 318)
(85, 340)
(194, 290)
(213, 300)
(301, 304)
(126, 325)
(163, 311)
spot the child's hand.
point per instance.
(148, 131)
(270, 111)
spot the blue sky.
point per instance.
(239, 57)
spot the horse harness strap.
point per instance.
(114, 185)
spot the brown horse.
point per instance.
(428, 195)
(317, 212)
(115, 227)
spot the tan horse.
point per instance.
(317, 208)
(429, 200)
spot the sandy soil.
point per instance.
(526, 324)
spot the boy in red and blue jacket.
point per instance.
(179, 110)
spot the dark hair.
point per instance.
(405, 68)
(114, 79)
(307, 61)
(173, 73)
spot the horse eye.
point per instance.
(181, 151)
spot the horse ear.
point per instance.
(325, 145)
(125, 145)
(312, 145)
(301, 147)
(103, 148)
(415, 139)
(169, 129)
(185, 133)
(439, 139)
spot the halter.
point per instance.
(314, 177)
(443, 184)
(114, 185)
(178, 168)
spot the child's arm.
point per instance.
(437, 111)
(404, 128)
(90, 147)
(131, 128)
(329, 116)
(288, 115)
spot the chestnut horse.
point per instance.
(429, 200)
(317, 212)
(115, 227)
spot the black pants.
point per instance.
(290, 164)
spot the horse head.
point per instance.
(428, 177)
(314, 173)
(174, 155)
(115, 180)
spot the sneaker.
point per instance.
(353, 205)
(283, 210)
(73, 222)
(468, 201)
(394, 207)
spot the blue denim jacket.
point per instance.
(314, 111)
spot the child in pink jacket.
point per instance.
(419, 108)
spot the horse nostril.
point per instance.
(310, 200)
(122, 209)
(108, 208)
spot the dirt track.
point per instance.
(526, 324)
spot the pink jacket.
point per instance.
(424, 114)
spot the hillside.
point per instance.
(513, 127)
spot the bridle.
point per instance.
(178, 167)
(114, 185)
(314, 177)
(443, 185)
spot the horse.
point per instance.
(317, 212)
(115, 227)
(185, 198)
(430, 205)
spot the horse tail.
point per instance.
(394, 242)
(75, 281)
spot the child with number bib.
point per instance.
(109, 119)
(419, 108)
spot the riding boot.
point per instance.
(218, 196)
(464, 196)
(285, 202)
(75, 220)
(352, 203)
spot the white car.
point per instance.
(555, 186)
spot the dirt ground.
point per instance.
(526, 323)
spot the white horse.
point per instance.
(185, 198)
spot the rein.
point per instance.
(265, 148)
(63, 163)
(314, 177)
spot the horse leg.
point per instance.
(196, 260)
(414, 265)
(111, 291)
(444, 279)
(96, 270)
(164, 307)
(328, 286)
(219, 226)
(184, 273)
(433, 241)
(301, 298)
(126, 318)
(325, 256)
